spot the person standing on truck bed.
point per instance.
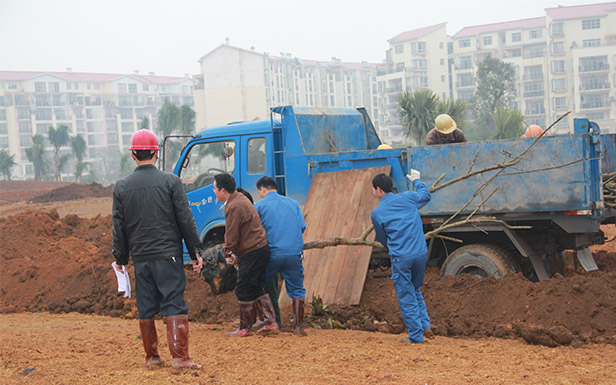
(246, 247)
(445, 131)
(284, 225)
(151, 216)
(397, 225)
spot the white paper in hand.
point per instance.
(123, 280)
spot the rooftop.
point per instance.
(89, 77)
(414, 34)
(536, 22)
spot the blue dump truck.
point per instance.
(528, 205)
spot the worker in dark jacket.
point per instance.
(246, 247)
(151, 216)
(397, 225)
(445, 131)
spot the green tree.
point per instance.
(58, 137)
(36, 155)
(145, 123)
(187, 120)
(78, 146)
(417, 113)
(168, 118)
(7, 161)
(508, 123)
(495, 82)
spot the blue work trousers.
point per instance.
(408, 275)
(292, 271)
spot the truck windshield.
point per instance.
(206, 160)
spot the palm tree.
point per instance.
(187, 120)
(507, 123)
(7, 161)
(168, 118)
(36, 155)
(417, 113)
(78, 146)
(58, 138)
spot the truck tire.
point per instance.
(482, 260)
(555, 263)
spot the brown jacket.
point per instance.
(435, 137)
(244, 231)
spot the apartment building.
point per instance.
(238, 84)
(562, 61)
(105, 109)
(415, 59)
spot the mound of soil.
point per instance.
(63, 265)
(74, 191)
(20, 190)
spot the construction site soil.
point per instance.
(55, 255)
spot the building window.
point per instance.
(39, 87)
(557, 47)
(418, 47)
(122, 88)
(535, 52)
(591, 43)
(533, 89)
(4, 142)
(560, 103)
(558, 67)
(2, 114)
(399, 48)
(466, 62)
(536, 34)
(132, 88)
(25, 141)
(442, 78)
(464, 43)
(556, 29)
(419, 64)
(25, 128)
(12, 86)
(441, 45)
(559, 85)
(515, 52)
(442, 62)
(487, 40)
(465, 80)
(4, 129)
(420, 82)
(591, 24)
(399, 67)
(54, 87)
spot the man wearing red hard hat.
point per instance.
(151, 216)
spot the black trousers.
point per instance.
(251, 274)
(159, 286)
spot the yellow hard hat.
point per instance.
(444, 124)
(384, 147)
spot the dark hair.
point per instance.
(225, 181)
(246, 194)
(384, 182)
(268, 182)
(144, 154)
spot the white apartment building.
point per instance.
(241, 85)
(105, 109)
(415, 59)
(562, 61)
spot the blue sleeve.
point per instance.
(379, 232)
(421, 196)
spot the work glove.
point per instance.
(413, 175)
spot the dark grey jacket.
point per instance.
(151, 215)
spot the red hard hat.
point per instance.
(144, 140)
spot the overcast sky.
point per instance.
(168, 37)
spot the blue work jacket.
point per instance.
(397, 223)
(284, 224)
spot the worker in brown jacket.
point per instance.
(445, 131)
(246, 247)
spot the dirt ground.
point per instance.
(61, 315)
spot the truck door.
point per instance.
(255, 161)
(202, 161)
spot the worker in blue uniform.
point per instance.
(398, 227)
(284, 225)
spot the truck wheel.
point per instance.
(482, 260)
(555, 263)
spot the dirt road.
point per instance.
(87, 349)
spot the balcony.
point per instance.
(594, 106)
(533, 94)
(464, 85)
(596, 67)
(391, 90)
(595, 87)
(534, 112)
